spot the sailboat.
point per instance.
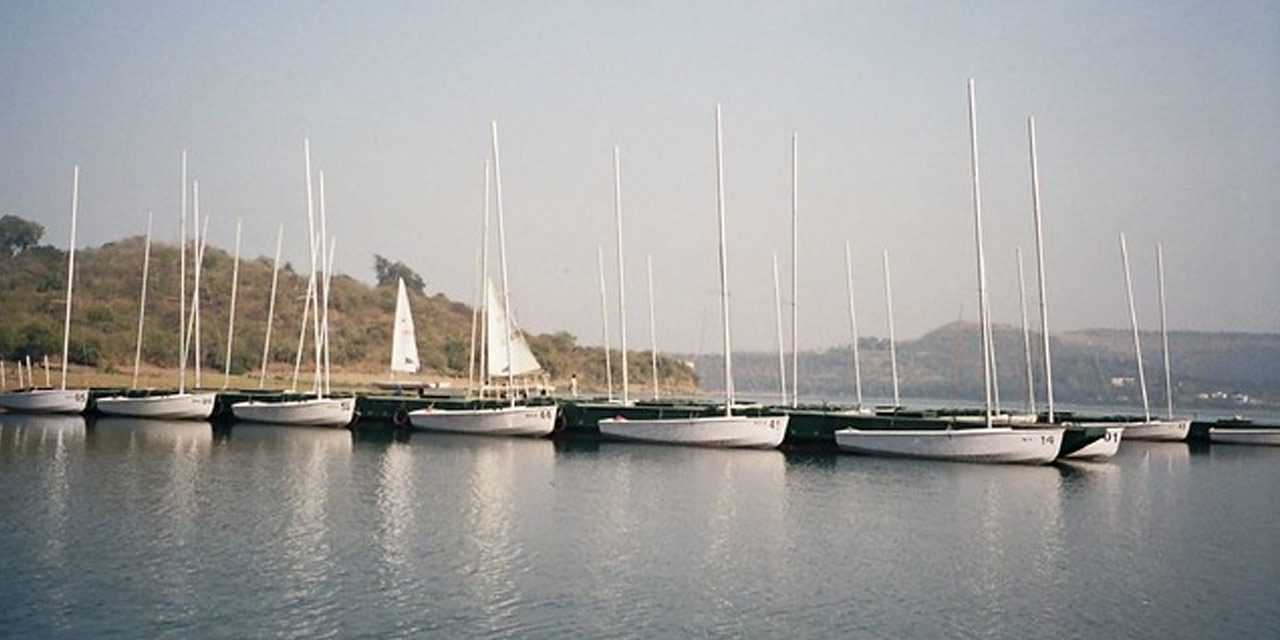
(319, 411)
(728, 430)
(506, 353)
(62, 399)
(181, 405)
(949, 440)
(1095, 447)
(404, 344)
(1170, 430)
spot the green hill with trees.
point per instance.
(105, 315)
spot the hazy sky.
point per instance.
(1158, 119)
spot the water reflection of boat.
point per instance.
(293, 436)
(41, 422)
(178, 432)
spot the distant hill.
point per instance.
(1095, 366)
(105, 316)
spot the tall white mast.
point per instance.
(142, 304)
(653, 330)
(484, 273)
(502, 260)
(622, 291)
(324, 331)
(182, 283)
(1164, 332)
(982, 263)
(326, 265)
(853, 324)
(604, 324)
(893, 341)
(71, 270)
(795, 270)
(1026, 333)
(724, 270)
(271, 307)
(782, 347)
(197, 240)
(1133, 321)
(231, 316)
(313, 286)
(1044, 304)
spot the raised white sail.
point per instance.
(404, 344)
(519, 359)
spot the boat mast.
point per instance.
(853, 324)
(485, 357)
(476, 299)
(795, 271)
(231, 316)
(653, 330)
(182, 283)
(197, 240)
(982, 266)
(1026, 333)
(1044, 304)
(724, 270)
(328, 280)
(1133, 321)
(604, 325)
(1164, 332)
(142, 304)
(271, 307)
(622, 292)
(71, 270)
(777, 309)
(302, 333)
(893, 349)
(326, 266)
(502, 260)
(313, 286)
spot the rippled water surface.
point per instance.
(125, 528)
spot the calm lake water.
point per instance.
(141, 529)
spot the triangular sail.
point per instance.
(404, 344)
(520, 360)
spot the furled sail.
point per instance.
(404, 345)
(520, 359)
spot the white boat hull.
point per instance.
(762, 432)
(1104, 447)
(997, 444)
(1158, 430)
(1245, 435)
(45, 401)
(313, 412)
(500, 421)
(174, 406)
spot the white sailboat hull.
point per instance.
(997, 444)
(45, 401)
(1158, 430)
(1245, 435)
(502, 421)
(313, 412)
(763, 432)
(174, 406)
(1104, 447)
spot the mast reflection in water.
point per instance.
(156, 529)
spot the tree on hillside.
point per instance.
(387, 272)
(18, 235)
